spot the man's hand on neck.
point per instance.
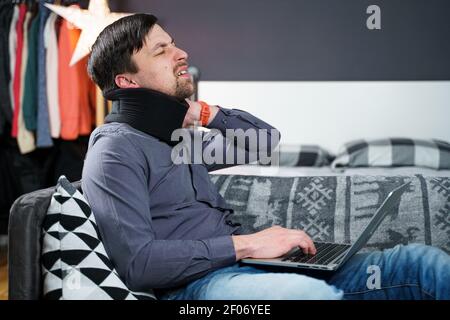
(193, 115)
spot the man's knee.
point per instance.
(416, 255)
(272, 286)
(417, 251)
(300, 287)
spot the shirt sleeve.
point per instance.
(115, 183)
(251, 138)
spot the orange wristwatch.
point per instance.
(204, 113)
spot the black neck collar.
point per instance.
(149, 111)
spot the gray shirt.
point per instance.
(163, 225)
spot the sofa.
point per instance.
(328, 208)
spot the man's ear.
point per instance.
(122, 81)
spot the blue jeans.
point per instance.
(403, 272)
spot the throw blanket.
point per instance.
(337, 208)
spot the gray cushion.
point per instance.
(394, 152)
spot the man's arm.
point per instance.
(269, 243)
(253, 137)
(115, 185)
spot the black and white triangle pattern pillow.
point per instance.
(74, 262)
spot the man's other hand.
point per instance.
(272, 243)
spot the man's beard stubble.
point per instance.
(184, 89)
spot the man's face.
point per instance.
(162, 66)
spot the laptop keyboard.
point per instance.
(326, 253)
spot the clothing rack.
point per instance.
(39, 168)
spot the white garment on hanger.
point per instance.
(12, 51)
(51, 69)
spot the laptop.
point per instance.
(330, 256)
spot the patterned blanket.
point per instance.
(337, 208)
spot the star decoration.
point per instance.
(91, 22)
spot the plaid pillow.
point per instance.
(300, 156)
(394, 152)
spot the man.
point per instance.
(165, 226)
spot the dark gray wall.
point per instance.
(307, 39)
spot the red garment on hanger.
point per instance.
(18, 69)
(76, 89)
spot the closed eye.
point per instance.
(159, 47)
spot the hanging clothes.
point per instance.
(34, 84)
(51, 46)
(18, 69)
(88, 104)
(9, 186)
(6, 16)
(43, 137)
(8, 190)
(25, 138)
(70, 158)
(12, 54)
(22, 173)
(30, 104)
(76, 101)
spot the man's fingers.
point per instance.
(306, 244)
(312, 248)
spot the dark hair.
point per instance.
(111, 53)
